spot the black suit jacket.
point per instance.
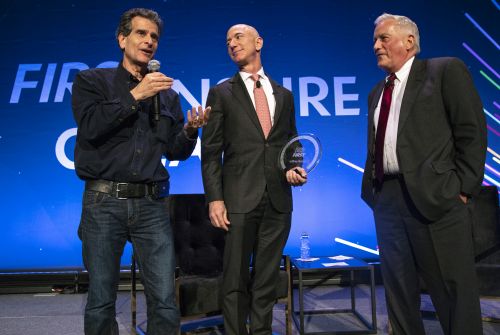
(441, 141)
(238, 163)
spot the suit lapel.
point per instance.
(371, 114)
(278, 96)
(240, 93)
(413, 86)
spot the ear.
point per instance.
(259, 43)
(121, 41)
(410, 42)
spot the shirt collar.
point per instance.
(403, 73)
(124, 75)
(245, 75)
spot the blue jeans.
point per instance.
(105, 226)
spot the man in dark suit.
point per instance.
(421, 177)
(249, 195)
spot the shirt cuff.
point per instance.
(195, 135)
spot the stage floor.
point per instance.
(40, 314)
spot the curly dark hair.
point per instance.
(125, 26)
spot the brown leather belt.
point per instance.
(128, 190)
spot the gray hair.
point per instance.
(125, 26)
(403, 23)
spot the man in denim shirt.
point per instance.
(119, 146)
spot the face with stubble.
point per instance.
(140, 45)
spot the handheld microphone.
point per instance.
(258, 84)
(154, 66)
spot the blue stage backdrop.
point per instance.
(321, 50)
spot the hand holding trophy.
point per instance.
(302, 151)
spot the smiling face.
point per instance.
(140, 45)
(393, 45)
(244, 45)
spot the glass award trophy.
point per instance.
(303, 151)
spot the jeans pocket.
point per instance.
(93, 198)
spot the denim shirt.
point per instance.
(117, 137)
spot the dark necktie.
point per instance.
(261, 106)
(382, 126)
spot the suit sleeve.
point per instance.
(293, 124)
(468, 124)
(292, 132)
(211, 149)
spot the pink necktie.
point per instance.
(382, 126)
(261, 106)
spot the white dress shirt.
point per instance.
(391, 165)
(266, 85)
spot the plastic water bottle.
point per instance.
(304, 246)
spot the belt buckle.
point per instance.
(118, 190)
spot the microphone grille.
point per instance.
(153, 65)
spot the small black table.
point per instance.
(317, 267)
